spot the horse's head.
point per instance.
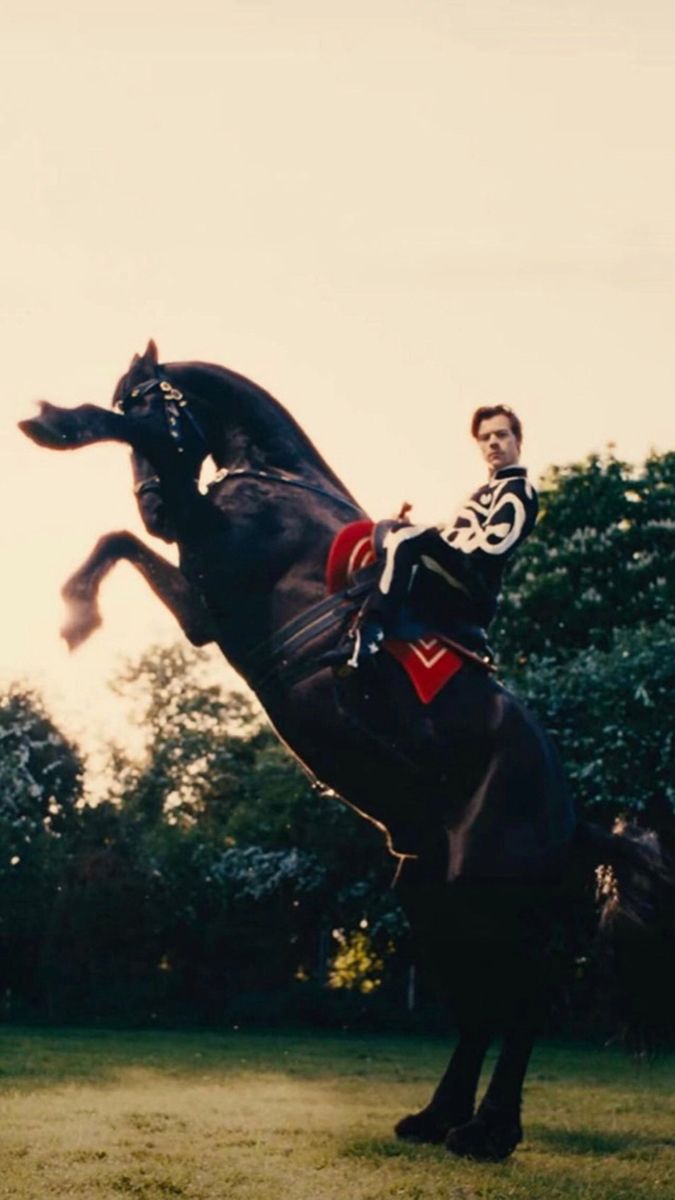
(169, 442)
(173, 416)
(161, 419)
(151, 415)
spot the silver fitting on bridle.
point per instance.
(175, 407)
(171, 393)
(174, 400)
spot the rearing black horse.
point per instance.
(467, 788)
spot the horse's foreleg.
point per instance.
(167, 582)
(453, 1102)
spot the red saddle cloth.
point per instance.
(427, 661)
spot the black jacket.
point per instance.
(492, 523)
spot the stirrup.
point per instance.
(359, 644)
(368, 639)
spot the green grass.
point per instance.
(257, 1116)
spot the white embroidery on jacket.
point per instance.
(481, 527)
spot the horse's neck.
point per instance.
(255, 534)
(258, 546)
(250, 429)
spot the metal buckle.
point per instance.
(171, 392)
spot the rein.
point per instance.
(276, 477)
(153, 483)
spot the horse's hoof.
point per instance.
(425, 1126)
(80, 624)
(487, 1139)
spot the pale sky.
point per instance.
(386, 212)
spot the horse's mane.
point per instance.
(254, 421)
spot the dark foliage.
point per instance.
(600, 558)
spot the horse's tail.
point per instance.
(635, 881)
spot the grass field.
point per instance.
(257, 1116)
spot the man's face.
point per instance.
(498, 443)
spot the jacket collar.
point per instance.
(509, 473)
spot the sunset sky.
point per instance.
(385, 211)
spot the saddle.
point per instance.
(429, 656)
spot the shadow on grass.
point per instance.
(595, 1143)
(372, 1148)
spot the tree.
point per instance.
(212, 761)
(199, 744)
(610, 713)
(586, 637)
(600, 558)
(41, 772)
(41, 778)
(253, 865)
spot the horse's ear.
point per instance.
(150, 355)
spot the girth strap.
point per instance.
(281, 656)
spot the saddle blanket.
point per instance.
(427, 661)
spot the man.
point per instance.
(451, 575)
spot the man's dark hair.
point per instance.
(496, 410)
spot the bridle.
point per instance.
(176, 409)
(176, 412)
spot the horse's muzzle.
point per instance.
(69, 428)
(44, 430)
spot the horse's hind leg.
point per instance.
(452, 1104)
(167, 582)
(495, 1131)
(517, 977)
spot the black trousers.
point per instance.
(418, 562)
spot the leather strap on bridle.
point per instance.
(176, 408)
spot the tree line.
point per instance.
(211, 882)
